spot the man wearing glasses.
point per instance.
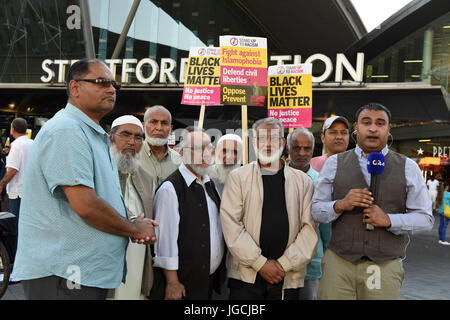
(188, 261)
(267, 223)
(74, 229)
(127, 137)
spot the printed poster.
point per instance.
(202, 79)
(290, 94)
(243, 70)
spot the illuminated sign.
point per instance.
(55, 70)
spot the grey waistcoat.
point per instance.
(349, 238)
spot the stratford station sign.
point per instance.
(165, 72)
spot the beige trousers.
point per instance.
(360, 280)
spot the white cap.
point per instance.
(329, 122)
(127, 120)
(233, 137)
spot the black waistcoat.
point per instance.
(194, 252)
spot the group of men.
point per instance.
(124, 211)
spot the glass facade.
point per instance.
(31, 31)
(422, 56)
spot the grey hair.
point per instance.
(270, 120)
(298, 131)
(157, 107)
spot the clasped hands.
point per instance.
(372, 214)
(145, 233)
(272, 271)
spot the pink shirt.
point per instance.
(318, 162)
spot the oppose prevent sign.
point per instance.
(202, 80)
(243, 70)
(290, 94)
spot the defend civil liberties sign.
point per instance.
(202, 80)
(290, 94)
(243, 70)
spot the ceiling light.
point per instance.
(412, 61)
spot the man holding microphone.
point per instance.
(364, 263)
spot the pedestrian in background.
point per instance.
(16, 162)
(444, 215)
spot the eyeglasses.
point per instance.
(138, 139)
(103, 82)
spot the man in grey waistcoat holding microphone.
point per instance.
(370, 230)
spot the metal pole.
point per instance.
(126, 27)
(87, 30)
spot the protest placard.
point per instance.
(202, 80)
(243, 70)
(290, 94)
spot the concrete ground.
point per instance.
(427, 269)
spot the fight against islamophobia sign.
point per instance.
(290, 94)
(202, 82)
(243, 70)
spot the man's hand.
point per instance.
(146, 230)
(354, 198)
(174, 288)
(272, 271)
(174, 291)
(375, 216)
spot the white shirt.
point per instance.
(17, 159)
(433, 185)
(165, 208)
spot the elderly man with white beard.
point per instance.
(227, 158)
(189, 261)
(157, 157)
(266, 221)
(127, 137)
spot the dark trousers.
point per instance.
(260, 290)
(55, 288)
(14, 206)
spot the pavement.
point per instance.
(427, 269)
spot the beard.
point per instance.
(276, 155)
(223, 171)
(201, 171)
(126, 163)
(157, 142)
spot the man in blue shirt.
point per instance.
(300, 144)
(74, 229)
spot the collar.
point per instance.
(149, 151)
(24, 137)
(71, 109)
(189, 177)
(361, 154)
